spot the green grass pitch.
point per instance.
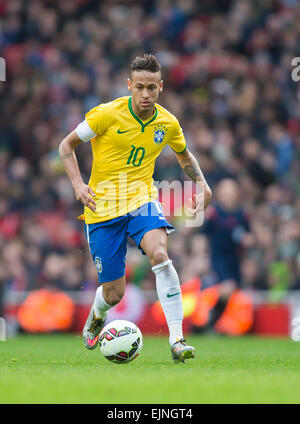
(58, 369)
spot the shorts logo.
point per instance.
(98, 263)
(159, 133)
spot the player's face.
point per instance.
(145, 87)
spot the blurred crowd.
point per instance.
(227, 72)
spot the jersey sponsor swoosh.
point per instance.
(122, 132)
(171, 295)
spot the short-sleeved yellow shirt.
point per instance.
(124, 154)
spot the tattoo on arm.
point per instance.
(191, 168)
(66, 156)
(193, 172)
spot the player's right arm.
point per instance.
(66, 149)
(97, 120)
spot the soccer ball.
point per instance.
(120, 341)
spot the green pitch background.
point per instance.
(58, 369)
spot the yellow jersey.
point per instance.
(124, 153)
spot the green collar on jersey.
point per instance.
(139, 119)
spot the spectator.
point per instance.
(227, 228)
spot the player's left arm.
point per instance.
(191, 168)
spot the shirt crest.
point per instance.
(159, 133)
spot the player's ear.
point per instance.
(129, 84)
(161, 86)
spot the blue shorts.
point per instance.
(108, 240)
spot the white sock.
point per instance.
(169, 294)
(100, 306)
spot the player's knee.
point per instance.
(159, 256)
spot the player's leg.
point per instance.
(154, 244)
(107, 295)
(148, 227)
(107, 244)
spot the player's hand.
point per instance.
(85, 194)
(199, 202)
(195, 204)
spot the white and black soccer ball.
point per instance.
(120, 341)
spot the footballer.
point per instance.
(127, 135)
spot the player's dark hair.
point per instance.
(148, 62)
